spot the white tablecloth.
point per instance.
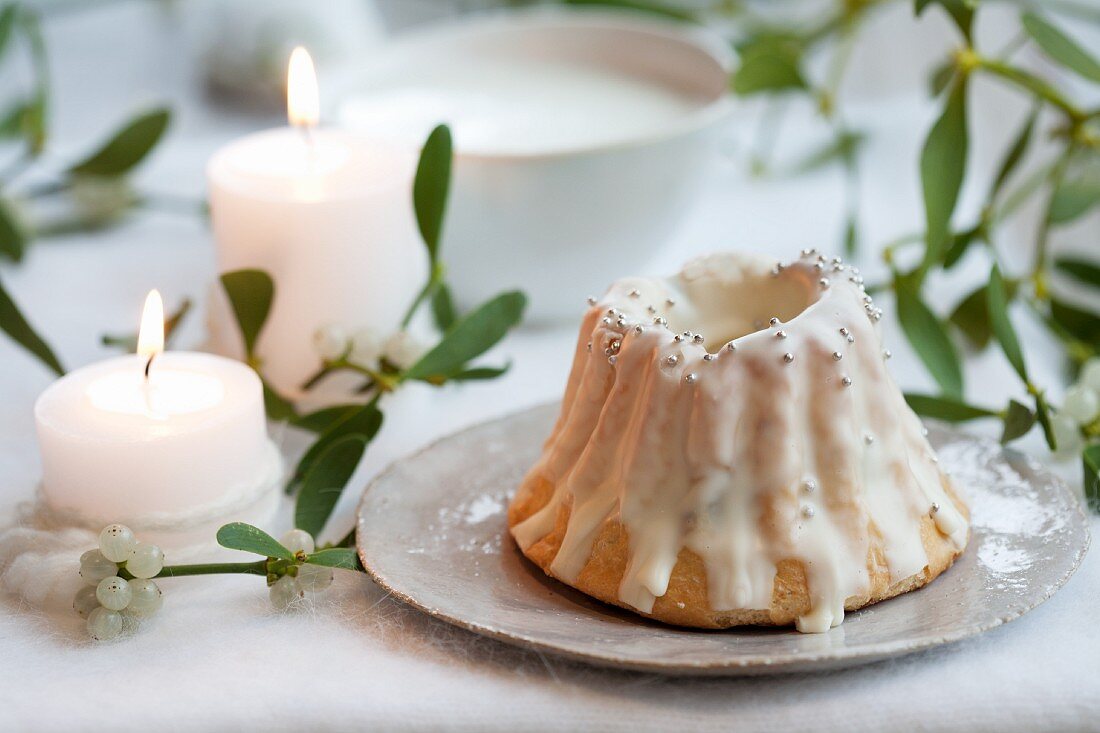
(219, 658)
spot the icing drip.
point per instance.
(774, 434)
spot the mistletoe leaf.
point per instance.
(997, 299)
(321, 420)
(942, 167)
(929, 339)
(15, 325)
(325, 480)
(172, 321)
(1015, 153)
(246, 538)
(946, 408)
(127, 147)
(13, 240)
(1061, 47)
(971, 316)
(443, 307)
(1081, 270)
(480, 373)
(277, 407)
(1090, 457)
(663, 11)
(344, 558)
(363, 422)
(961, 11)
(431, 187)
(469, 338)
(1018, 421)
(769, 63)
(1082, 324)
(251, 293)
(1073, 198)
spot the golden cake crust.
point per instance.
(686, 601)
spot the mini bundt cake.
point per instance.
(732, 450)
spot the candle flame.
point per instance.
(303, 106)
(151, 334)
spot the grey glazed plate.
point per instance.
(432, 532)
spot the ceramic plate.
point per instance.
(432, 532)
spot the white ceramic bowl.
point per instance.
(557, 189)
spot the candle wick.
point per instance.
(149, 364)
(311, 143)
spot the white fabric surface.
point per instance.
(219, 658)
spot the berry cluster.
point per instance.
(367, 347)
(299, 579)
(108, 600)
(1078, 419)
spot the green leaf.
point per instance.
(1042, 415)
(930, 340)
(128, 342)
(1082, 324)
(841, 148)
(13, 240)
(364, 423)
(443, 307)
(1073, 198)
(1061, 47)
(323, 484)
(251, 293)
(658, 9)
(20, 331)
(1080, 270)
(7, 24)
(851, 235)
(127, 147)
(998, 300)
(345, 558)
(941, 76)
(321, 420)
(430, 189)
(769, 63)
(1018, 421)
(1015, 153)
(942, 166)
(961, 11)
(480, 373)
(245, 537)
(946, 408)
(959, 245)
(277, 407)
(971, 316)
(1090, 457)
(470, 337)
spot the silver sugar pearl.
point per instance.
(837, 356)
(851, 339)
(935, 508)
(670, 302)
(886, 354)
(605, 321)
(690, 378)
(868, 439)
(658, 321)
(819, 266)
(843, 331)
(592, 300)
(612, 359)
(809, 486)
(672, 360)
(846, 381)
(635, 293)
(731, 346)
(788, 357)
(823, 282)
(698, 339)
(638, 328)
(781, 334)
(708, 357)
(651, 310)
(773, 321)
(678, 337)
(808, 511)
(590, 346)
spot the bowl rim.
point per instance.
(343, 78)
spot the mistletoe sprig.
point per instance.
(120, 575)
(773, 62)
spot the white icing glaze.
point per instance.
(655, 431)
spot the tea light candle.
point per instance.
(164, 441)
(329, 216)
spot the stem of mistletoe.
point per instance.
(1038, 266)
(216, 568)
(434, 281)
